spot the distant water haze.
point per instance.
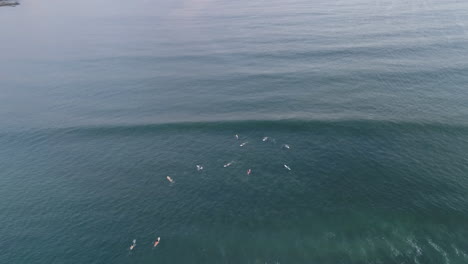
(119, 62)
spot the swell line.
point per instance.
(289, 125)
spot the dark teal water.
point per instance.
(100, 101)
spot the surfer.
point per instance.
(199, 167)
(286, 146)
(156, 242)
(249, 171)
(228, 164)
(170, 179)
(265, 139)
(287, 167)
(243, 144)
(133, 245)
(237, 137)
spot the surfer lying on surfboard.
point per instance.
(133, 245)
(156, 242)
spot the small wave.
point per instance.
(460, 252)
(280, 125)
(416, 247)
(360, 126)
(440, 250)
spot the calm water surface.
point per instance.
(101, 100)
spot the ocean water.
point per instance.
(101, 100)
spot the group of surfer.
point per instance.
(133, 245)
(249, 171)
(199, 168)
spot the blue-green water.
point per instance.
(101, 100)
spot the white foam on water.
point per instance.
(440, 250)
